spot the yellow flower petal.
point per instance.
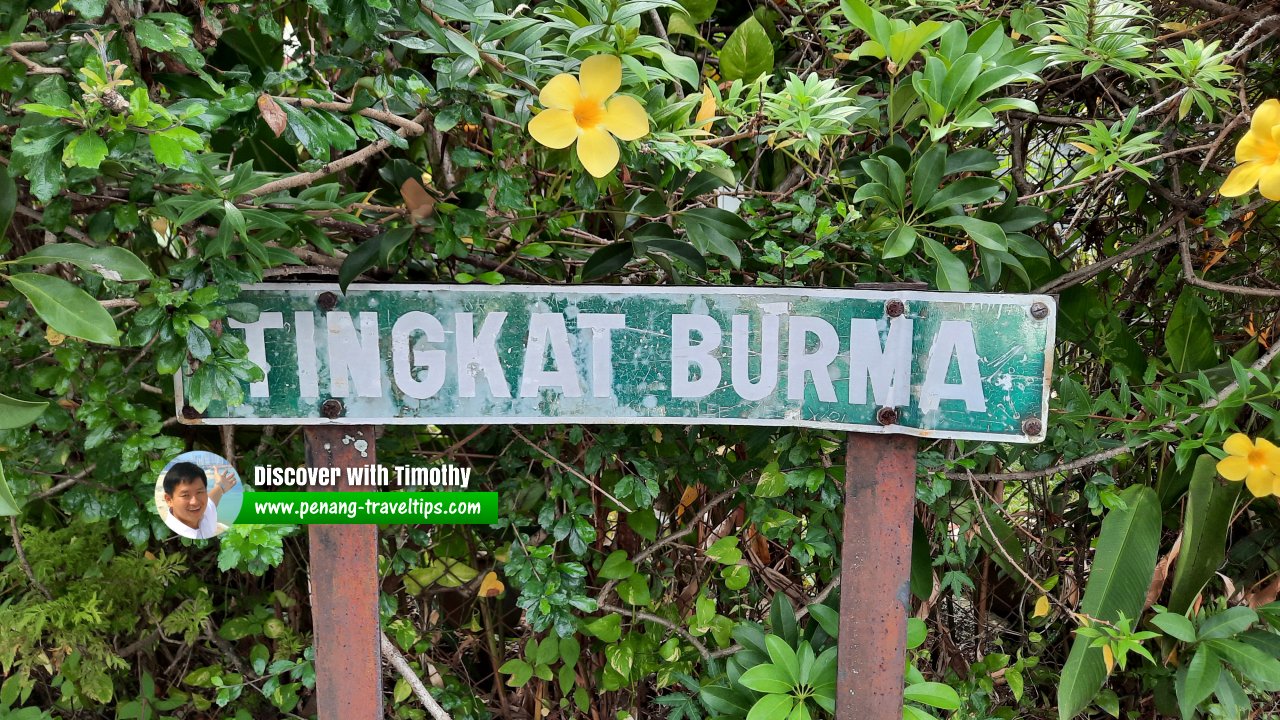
(554, 128)
(1266, 116)
(1256, 146)
(561, 92)
(598, 151)
(1269, 186)
(625, 118)
(1238, 444)
(1242, 179)
(1260, 482)
(600, 76)
(1234, 468)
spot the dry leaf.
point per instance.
(417, 199)
(491, 586)
(1108, 657)
(272, 114)
(54, 337)
(687, 499)
(1042, 607)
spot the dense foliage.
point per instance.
(154, 155)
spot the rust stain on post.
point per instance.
(344, 589)
(875, 575)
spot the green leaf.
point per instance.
(772, 483)
(1175, 626)
(8, 199)
(748, 53)
(1228, 623)
(900, 242)
(608, 260)
(1123, 564)
(927, 175)
(933, 694)
(374, 252)
(1198, 680)
(699, 11)
(829, 620)
(716, 230)
(15, 413)
(617, 566)
(519, 670)
(8, 506)
(783, 657)
(86, 150)
(111, 262)
(607, 628)
(67, 308)
(1189, 337)
(951, 273)
(917, 631)
(1204, 533)
(987, 234)
(167, 150)
(766, 678)
(966, 191)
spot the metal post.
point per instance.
(344, 589)
(875, 575)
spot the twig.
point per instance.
(667, 540)
(22, 558)
(1189, 273)
(304, 179)
(402, 666)
(65, 483)
(571, 470)
(414, 128)
(649, 617)
(33, 67)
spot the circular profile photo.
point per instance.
(198, 494)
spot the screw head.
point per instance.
(1039, 310)
(190, 413)
(327, 300)
(1032, 427)
(332, 408)
(895, 308)
(887, 415)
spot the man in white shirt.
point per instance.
(193, 508)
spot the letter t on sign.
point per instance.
(344, 587)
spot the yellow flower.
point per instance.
(1258, 156)
(1258, 464)
(585, 109)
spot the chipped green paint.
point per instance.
(955, 365)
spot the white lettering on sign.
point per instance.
(406, 356)
(816, 364)
(601, 326)
(954, 339)
(477, 354)
(684, 355)
(255, 339)
(353, 355)
(887, 367)
(740, 351)
(427, 360)
(304, 325)
(547, 330)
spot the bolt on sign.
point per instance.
(955, 365)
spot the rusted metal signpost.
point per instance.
(344, 587)
(883, 365)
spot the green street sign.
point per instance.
(931, 364)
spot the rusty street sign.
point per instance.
(954, 365)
